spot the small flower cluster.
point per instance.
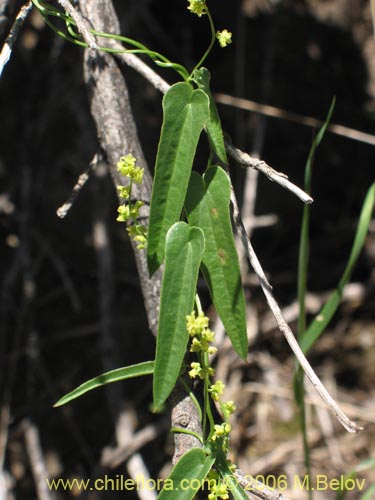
(130, 211)
(218, 487)
(198, 7)
(224, 37)
(201, 336)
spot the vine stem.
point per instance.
(213, 37)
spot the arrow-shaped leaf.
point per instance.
(207, 206)
(132, 371)
(183, 252)
(187, 476)
(185, 114)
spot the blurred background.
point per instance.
(71, 308)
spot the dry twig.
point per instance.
(81, 24)
(63, 210)
(37, 463)
(284, 327)
(246, 160)
(113, 457)
(6, 51)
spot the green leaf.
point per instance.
(324, 317)
(234, 487)
(303, 256)
(213, 126)
(369, 494)
(183, 252)
(185, 114)
(187, 476)
(207, 206)
(365, 465)
(303, 262)
(132, 371)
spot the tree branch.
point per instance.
(283, 326)
(246, 161)
(6, 51)
(80, 22)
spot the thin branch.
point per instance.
(81, 24)
(63, 210)
(6, 51)
(254, 487)
(308, 121)
(37, 462)
(246, 161)
(137, 469)
(113, 457)
(283, 326)
(363, 413)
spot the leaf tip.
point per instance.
(152, 263)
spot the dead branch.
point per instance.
(308, 121)
(245, 160)
(37, 462)
(81, 24)
(283, 326)
(6, 51)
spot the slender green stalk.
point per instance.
(180, 430)
(213, 38)
(303, 260)
(192, 397)
(207, 399)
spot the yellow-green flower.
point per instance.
(207, 334)
(228, 408)
(139, 234)
(124, 192)
(124, 213)
(196, 345)
(221, 431)
(216, 390)
(219, 490)
(196, 371)
(198, 7)
(127, 167)
(195, 325)
(224, 37)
